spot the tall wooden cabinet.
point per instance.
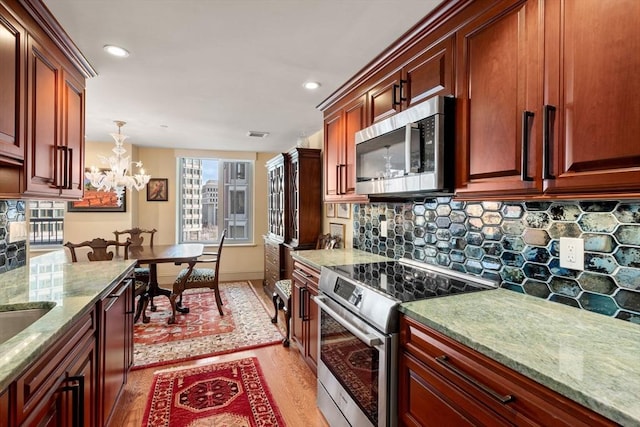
(294, 203)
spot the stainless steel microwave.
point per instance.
(409, 154)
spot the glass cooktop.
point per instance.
(407, 283)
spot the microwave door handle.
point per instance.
(407, 148)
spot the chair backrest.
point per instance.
(327, 241)
(136, 236)
(219, 253)
(99, 249)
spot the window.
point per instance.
(215, 194)
(46, 223)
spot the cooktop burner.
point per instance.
(407, 280)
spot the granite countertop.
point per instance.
(319, 257)
(73, 287)
(589, 358)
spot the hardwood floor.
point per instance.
(291, 382)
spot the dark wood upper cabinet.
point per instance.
(340, 129)
(42, 104)
(427, 73)
(592, 87)
(498, 108)
(12, 88)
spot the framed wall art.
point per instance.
(331, 210)
(158, 190)
(97, 201)
(337, 229)
(344, 210)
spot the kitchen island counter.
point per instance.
(73, 287)
(587, 357)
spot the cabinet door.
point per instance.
(12, 88)
(333, 155)
(385, 98)
(354, 120)
(429, 74)
(43, 149)
(73, 136)
(498, 110)
(85, 366)
(591, 67)
(115, 336)
(297, 304)
(312, 339)
(4, 408)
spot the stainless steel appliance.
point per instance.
(358, 330)
(410, 153)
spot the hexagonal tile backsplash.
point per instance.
(12, 255)
(517, 244)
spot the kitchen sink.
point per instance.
(15, 318)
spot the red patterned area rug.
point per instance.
(203, 332)
(222, 394)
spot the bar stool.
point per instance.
(282, 293)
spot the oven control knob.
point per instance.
(357, 300)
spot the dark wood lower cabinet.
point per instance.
(444, 383)
(305, 313)
(116, 338)
(78, 380)
(59, 389)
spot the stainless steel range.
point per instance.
(358, 332)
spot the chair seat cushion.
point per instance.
(142, 271)
(284, 286)
(198, 275)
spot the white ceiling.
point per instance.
(212, 70)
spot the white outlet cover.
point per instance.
(383, 228)
(572, 253)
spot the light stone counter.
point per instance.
(589, 358)
(73, 287)
(319, 257)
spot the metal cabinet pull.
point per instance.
(394, 100)
(526, 115)
(69, 169)
(444, 361)
(403, 96)
(77, 399)
(546, 143)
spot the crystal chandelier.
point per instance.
(118, 177)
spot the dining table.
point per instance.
(178, 253)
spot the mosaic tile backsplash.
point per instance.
(517, 244)
(12, 255)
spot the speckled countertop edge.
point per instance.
(589, 358)
(75, 287)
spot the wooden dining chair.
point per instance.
(98, 250)
(142, 273)
(198, 277)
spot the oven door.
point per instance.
(356, 378)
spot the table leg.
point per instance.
(154, 288)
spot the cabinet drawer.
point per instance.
(42, 378)
(509, 394)
(306, 274)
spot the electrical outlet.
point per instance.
(572, 253)
(383, 228)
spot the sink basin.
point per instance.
(17, 317)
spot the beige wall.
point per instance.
(238, 262)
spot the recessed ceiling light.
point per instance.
(311, 85)
(116, 50)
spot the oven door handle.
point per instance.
(370, 340)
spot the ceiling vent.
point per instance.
(257, 134)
